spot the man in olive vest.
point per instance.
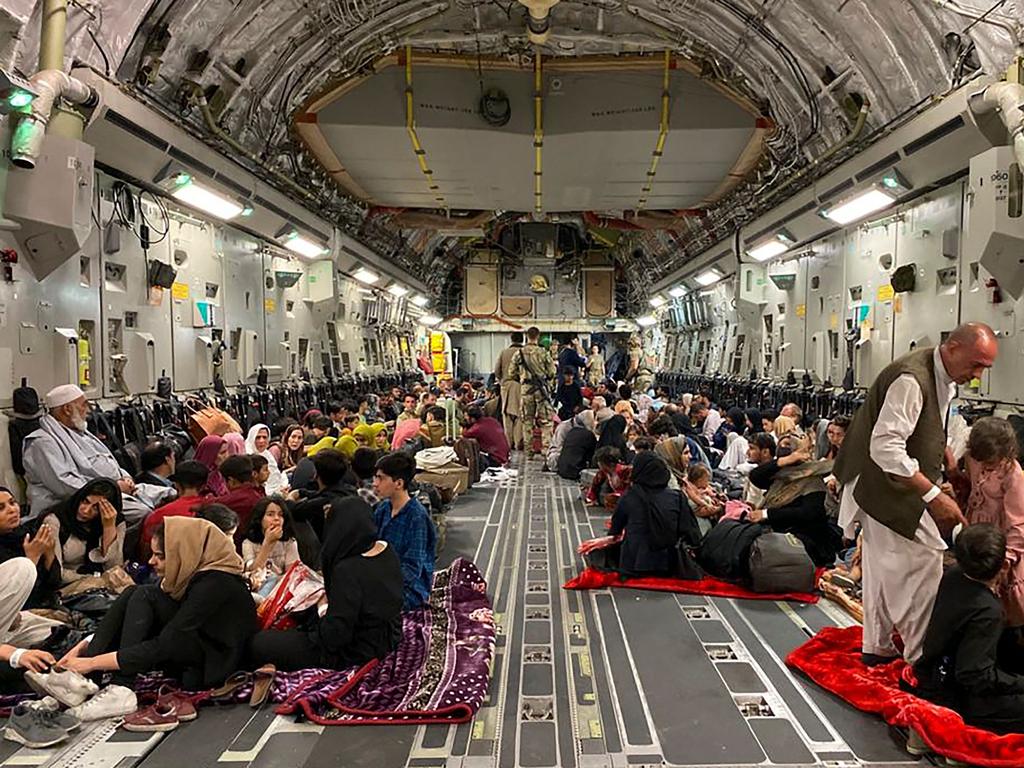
(639, 372)
(891, 469)
(536, 369)
(511, 392)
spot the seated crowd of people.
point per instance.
(193, 548)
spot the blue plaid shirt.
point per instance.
(411, 533)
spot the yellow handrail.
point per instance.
(410, 127)
(659, 148)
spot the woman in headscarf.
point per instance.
(364, 436)
(289, 452)
(325, 443)
(363, 585)
(211, 452)
(235, 443)
(624, 408)
(654, 519)
(576, 446)
(258, 443)
(194, 625)
(753, 422)
(379, 431)
(34, 540)
(347, 445)
(90, 529)
(613, 435)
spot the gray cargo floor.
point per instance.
(599, 679)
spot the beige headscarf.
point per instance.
(191, 546)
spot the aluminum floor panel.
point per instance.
(603, 679)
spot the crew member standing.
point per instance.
(891, 468)
(639, 373)
(595, 367)
(535, 369)
(511, 392)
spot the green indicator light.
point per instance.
(182, 179)
(890, 182)
(20, 99)
(247, 210)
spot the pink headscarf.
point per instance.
(404, 430)
(206, 454)
(236, 444)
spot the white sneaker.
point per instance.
(66, 686)
(112, 701)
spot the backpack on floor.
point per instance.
(779, 563)
(725, 551)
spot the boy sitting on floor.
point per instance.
(958, 668)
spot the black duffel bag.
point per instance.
(725, 550)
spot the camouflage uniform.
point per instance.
(535, 369)
(641, 376)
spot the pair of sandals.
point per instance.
(262, 681)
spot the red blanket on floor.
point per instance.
(832, 659)
(595, 579)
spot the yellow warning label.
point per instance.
(801, 310)
(595, 729)
(833, 321)
(478, 729)
(589, 697)
(269, 306)
(585, 668)
(179, 291)
(885, 292)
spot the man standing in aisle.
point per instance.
(891, 469)
(511, 392)
(639, 373)
(535, 369)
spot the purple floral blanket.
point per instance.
(439, 673)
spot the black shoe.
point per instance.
(875, 660)
(546, 468)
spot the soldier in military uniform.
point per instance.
(511, 393)
(639, 373)
(535, 369)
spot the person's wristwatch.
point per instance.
(932, 493)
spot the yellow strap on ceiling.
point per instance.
(538, 133)
(659, 148)
(410, 127)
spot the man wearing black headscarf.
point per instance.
(363, 584)
(655, 518)
(613, 435)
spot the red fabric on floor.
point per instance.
(832, 660)
(594, 579)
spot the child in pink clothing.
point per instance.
(997, 497)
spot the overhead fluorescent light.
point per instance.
(708, 277)
(364, 275)
(863, 204)
(206, 200)
(397, 290)
(708, 292)
(646, 321)
(367, 291)
(768, 250)
(420, 301)
(303, 246)
(678, 292)
(430, 319)
(656, 301)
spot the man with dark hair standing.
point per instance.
(511, 392)
(571, 362)
(891, 469)
(405, 524)
(535, 369)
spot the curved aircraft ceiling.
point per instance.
(797, 71)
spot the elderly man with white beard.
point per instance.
(62, 456)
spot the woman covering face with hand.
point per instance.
(89, 528)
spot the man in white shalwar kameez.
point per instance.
(891, 475)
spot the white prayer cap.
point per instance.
(62, 395)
